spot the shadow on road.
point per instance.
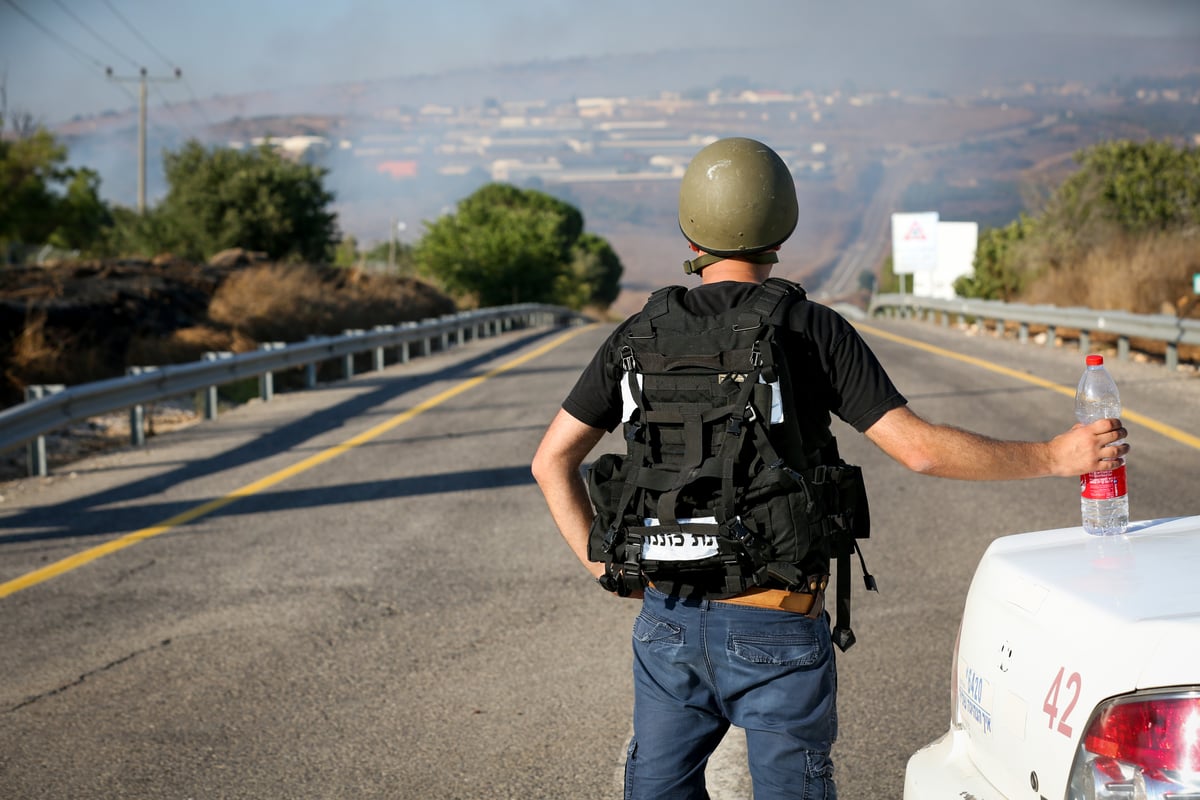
(93, 515)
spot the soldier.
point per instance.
(726, 511)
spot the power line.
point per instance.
(86, 59)
(138, 34)
(72, 49)
(169, 106)
(167, 61)
(66, 10)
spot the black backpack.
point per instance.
(704, 496)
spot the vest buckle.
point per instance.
(628, 361)
(756, 359)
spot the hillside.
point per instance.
(72, 323)
(975, 129)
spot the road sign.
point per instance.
(956, 243)
(914, 242)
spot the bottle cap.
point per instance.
(1095, 360)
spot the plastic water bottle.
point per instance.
(1104, 501)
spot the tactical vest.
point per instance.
(710, 497)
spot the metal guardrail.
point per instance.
(1171, 331)
(52, 407)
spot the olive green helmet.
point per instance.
(737, 199)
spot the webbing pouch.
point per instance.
(851, 522)
(605, 483)
(847, 505)
(778, 506)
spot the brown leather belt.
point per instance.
(810, 605)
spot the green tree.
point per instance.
(888, 281)
(1140, 186)
(83, 218)
(399, 254)
(998, 271)
(503, 245)
(256, 199)
(41, 199)
(867, 281)
(346, 254)
(593, 276)
(1122, 190)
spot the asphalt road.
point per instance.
(355, 592)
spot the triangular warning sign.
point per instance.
(914, 232)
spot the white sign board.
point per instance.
(914, 242)
(956, 242)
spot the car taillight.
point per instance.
(1141, 746)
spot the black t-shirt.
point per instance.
(841, 375)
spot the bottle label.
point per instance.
(1103, 485)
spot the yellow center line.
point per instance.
(91, 554)
(1171, 432)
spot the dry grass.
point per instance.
(276, 302)
(1148, 275)
(32, 352)
(186, 344)
(41, 354)
(86, 322)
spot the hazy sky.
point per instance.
(53, 53)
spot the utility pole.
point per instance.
(392, 245)
(142, 78)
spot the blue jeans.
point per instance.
(700, 666)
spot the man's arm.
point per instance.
(556, 464)
(948, 452)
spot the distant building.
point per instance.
(398, 170)
(292, 146)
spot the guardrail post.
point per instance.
(1172, 361)
(211, 406)
(137, 425)
(35, 461)
(266, 381)
(1085, 341)
(137, 413)
(1023, 333)
(1051, 335)
(348, 359)
(1122, 348)
(310, 369)
(378, 360)
(405, 353)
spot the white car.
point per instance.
(1076, 672)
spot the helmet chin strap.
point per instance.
(708, 259)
